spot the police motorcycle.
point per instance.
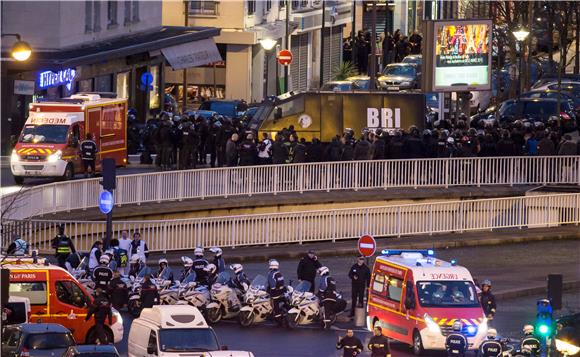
(134, 304)
(168, 292)
(81, 274)
(256, 303)
(304, 306)
(224, 300)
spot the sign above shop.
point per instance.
(49, 79)
(23, 87)
(192, 54)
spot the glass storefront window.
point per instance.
(154, 93)
(104, 83)
(123, 85)
(86, 85)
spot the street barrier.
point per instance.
(273, 179)
(322, 225)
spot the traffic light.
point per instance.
(544, 318)
(109, 174)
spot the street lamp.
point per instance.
(21, 50)
(268, 44)
(521, 34)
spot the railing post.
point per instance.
(301, 178)
(398, 221)
(545, 170)
(159, 186)
(53, 198)
(430, 219)
(226, 183)
(327, 167)
(250, 172)
(334, 229)
(85, 195)
(415, 173)
(447, 173)
(461, 217)
(511, 166)
(385, 174)
(165, 237)
(139, 188)
(479, 171)
(276, 179)
(203, 183)
(577, 158)
(69, 196)
(180, 180)
(356, 169)
(520, 212)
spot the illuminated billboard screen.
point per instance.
(462, 56)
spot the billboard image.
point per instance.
(462, 56)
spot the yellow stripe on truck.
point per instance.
(442, 321)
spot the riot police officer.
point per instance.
(276, 289)
(240, 281)
(63, 246)
(102, 274)
(189, 142)
(456, 343)
(491, 347)
(199, 264)
(530, 345)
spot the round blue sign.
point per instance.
(146, 78)
(106, 202)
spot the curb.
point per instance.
(536, 290)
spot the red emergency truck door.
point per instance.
(92, 125)
(113, 132)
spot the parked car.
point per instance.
(341, 86)
(91, 351)
(36, 340)
(552, 79)
(413, 59)
(538, 110)
(565, 95)
(401, 76)
(232, 109)
(362, 82)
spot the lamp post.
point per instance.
(268, 44)
(21, 50)
(521, 34)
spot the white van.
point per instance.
(171, 330)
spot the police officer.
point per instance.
(164, 272)
(149, 294)
(350, 344)
(240, 281)
(88, 152)
(218, 259)
(491, 347)
(276, 289)
(63, 246)
(307, 268)
(248, 151)
(18, 247)
(135, 265)
(101, 309)
(187, 268)
(456, 343)
(210, 275)
(328, 296)
(118, 291)
(359, 275)
(199, 264)
(189, 143)
(379, 344)
(166, 142)
(487, 300)
(530, 345)
(102, 274)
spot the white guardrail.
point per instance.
(274, 179)
(309, 226)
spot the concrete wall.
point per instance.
(238, 72)
(38, 22)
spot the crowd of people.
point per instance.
(391, 48)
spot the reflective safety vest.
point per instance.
(21, 247)
(63, 246)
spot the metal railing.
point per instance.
(320, 225)
(274, 179)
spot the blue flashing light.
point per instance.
(471, 330)
(425, 252)
(431, 252)
(453, 262)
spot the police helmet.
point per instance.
(274, 264)
(323, 271)
(426, 132)
(216, 250)
(187, 262)
(450, 140)
(237, 268)
(491, 333)
(163, 261)
(135, 259)
(486, 282)
(457, 326)
(528, 329)
(210, 268)
(198, 252)
(104, 259)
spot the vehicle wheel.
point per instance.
(69, 173)
(214, 315)
(292, 321)
(134, 308)
(19, 180)
(246, 318)
(92, 337)
(417, 344)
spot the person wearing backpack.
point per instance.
(120, 255)
(265, 150)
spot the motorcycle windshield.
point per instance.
(83, 264)
(189, 278)
(143, 272)
(223, 278)
(259, 282)
(303, 287)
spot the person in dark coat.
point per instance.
(118, 291)
(415, 42)
(334, 150)
(350, 344)
(412, 145)
(388, 49)
(488, 146)
(299, 152)
(314, 151)
(101, 310)
(307, 268)
(362, 52)
(360, 276)
(362, 149)
(346, 150)
(232, 151)
(506, 146)
(396, 146)
(377, 148)
(546, 146)
(379, 344)
(248, 151)
(149, 293)
(567, 146)
(279, 151)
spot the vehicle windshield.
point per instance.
(259, 282)
(48, 341)
(410, 59)
(303, 287)
(143, 272)
(403, 71)
(188, 340)
(453, 293)
(223, 108)
(223, 277)
(48, 134)
(541, 109)
(83, 264)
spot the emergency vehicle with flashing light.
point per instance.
(48, 145)
(415, 298)
(57, 297)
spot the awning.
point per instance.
(192, 54)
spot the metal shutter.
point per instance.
(299, 66)
(332, 51)
(381, 20)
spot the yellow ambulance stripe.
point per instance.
(20, 151)
(450, 323)
(466, 322)
(48, 151)
(442, 321)
(41, 151)
(26, 151)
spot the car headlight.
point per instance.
(431, 325)
(55, 157)
(405, 83)
(118, 316)
(566, 347)
(14, 156)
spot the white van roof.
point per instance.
(174, 316)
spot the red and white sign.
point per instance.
(367, 245)
(285, 57)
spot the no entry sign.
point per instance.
(367, 245)
(285, 57)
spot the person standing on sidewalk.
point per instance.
(379, 344)
(350, 344)
(88, 152)
(125, 243)
(487, 300)
(63, 246)
(360, 276)
(307, 268)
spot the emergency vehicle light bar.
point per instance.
(425, 252)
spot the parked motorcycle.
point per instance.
(256, 303)
(194, 294)
(224, 300)
(134, 303)
(304, 306)
(168, 292)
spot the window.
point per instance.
(97, 16)
(76, 133)
(135, 10)
(49, 341)
(303, 3)
(123, 85)
(295, 4)
(379, 284)
(453, 293)
(282, 4)
(203, 7)
(127, 17)
(152, 341)
(11, 338)
(268, 5)
(88, 16)
(187, 340)
(251, 7)
(395, 289)
(35, 291)
(69, 293)
(111, 14)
